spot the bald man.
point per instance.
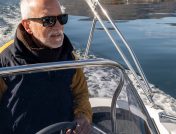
(31, 102)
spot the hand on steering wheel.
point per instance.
(59, 127)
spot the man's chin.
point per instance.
(56, 45)
(59, 45)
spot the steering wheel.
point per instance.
(58, 127)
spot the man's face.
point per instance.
(51, 37)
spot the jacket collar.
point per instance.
(38, 52)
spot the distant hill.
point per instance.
(119, 9)
(125, 9)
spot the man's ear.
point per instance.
(26, 26)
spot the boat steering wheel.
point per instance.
(60, 127)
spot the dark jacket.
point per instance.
(31, 102)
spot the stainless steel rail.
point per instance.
(92, 4)
(43, 67)
(163, 115)
(114, 103)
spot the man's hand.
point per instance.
(83, 126)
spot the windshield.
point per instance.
(103, 84)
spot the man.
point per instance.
(31, 102)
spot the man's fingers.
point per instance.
(83, 126)
(69, 131)
(82, 129)
(78, 129)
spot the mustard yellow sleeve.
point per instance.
(81, 96)
(3, 87)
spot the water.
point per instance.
(149, 29)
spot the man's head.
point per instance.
(50, 36)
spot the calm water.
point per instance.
(149, 28)
(153, 41)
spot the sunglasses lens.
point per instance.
(49, 21)
(63, 19)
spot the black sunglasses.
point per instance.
(50, 21)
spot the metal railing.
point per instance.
(114, 103)
(93, 6)
(43, 67)
(163, 115)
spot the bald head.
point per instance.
(29, 7)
